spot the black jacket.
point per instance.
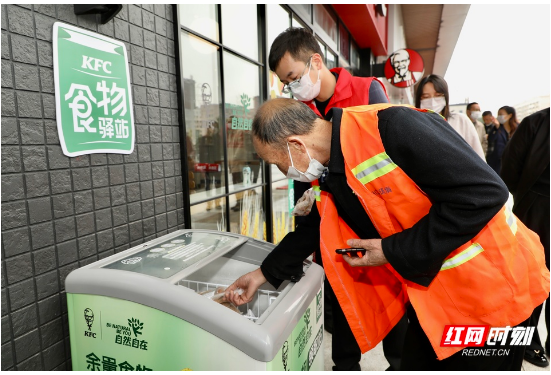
(525, 160)
(465, 194)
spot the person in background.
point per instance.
(211, 152)
(489, 121)
(499, 136)
(190, 163)
(474, 113)
(525, 171)
(240, 155)
(432, 93)
(296, 58)
(431, 215)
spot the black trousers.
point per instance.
(346, 353)
(533, 211)
(419, 355)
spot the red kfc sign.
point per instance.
(404, 68)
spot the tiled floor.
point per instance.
(374, 360)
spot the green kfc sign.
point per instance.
(93, 93)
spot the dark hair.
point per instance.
(280, 118)
(513, 122)
(440, 86)
(486, 113)
(299, 42)
(470, 105)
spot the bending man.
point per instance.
(436, 221)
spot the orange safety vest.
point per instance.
(496, 279)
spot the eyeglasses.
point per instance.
(287, 88)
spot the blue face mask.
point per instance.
(314, 171)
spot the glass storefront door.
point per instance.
(221, 79)
(223, 50)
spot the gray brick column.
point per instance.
(61, 213)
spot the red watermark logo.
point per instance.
(464, 335)
(479, 335)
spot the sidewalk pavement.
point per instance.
(374, 360)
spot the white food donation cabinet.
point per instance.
(141, 309)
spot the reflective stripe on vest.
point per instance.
(317, 192)
(373, 168)
(431, 111)
(464, 256)
(511, 219)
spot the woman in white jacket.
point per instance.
(432, 93)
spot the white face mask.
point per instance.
(436, 104)
(314, 171)
(502, 119)
(306, 90)
(475, 115)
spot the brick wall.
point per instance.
(61, 213)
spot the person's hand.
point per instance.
(373, 256)
(249, 284)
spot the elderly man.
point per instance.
(294, 51)
(435, 221)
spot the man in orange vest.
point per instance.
(436, 222)
(297, 59)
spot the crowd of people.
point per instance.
(520, 161)
(447, 240)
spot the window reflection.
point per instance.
(326, 20)
(278, 21)
(204, 132)
(296, 23)
(200, 18)
(209, 215)
(306, 9)
(276, 87)
(344, 43)
(247, 215)
(242, 92)
(283, 222)
(354, 56)
(211, 159)
(331, 60)
(323, 51)
(276, 173)
(240, 29)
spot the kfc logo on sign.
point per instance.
(404, 68)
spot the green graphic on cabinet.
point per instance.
(134, 311)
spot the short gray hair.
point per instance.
(280, 118)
